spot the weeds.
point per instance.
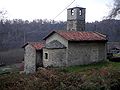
(99, 76)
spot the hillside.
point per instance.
(99, 76)
(109, 27)
(14, 33)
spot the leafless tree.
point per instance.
(115, 10)
(3, 14)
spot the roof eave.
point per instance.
(25, 45)
(76, 7)
(87, 40)
(56, 48)
(49, 35)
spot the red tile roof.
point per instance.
(36, 45)
(80, 36)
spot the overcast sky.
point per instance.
(48, 9)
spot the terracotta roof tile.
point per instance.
(36, 45)
(82, 36)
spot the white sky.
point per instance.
(48, 9)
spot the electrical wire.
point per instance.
(53, 18)
(64, 9)
(58, 14)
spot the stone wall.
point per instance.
(56, 57)
(74, 25)
(85, 53)
(30, 59)
(76, 14)
(76, 19)
(102, 51)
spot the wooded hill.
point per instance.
(13, 33)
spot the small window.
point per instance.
(46, 55)
(80, 12)
(72, 12)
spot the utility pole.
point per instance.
(24, 37)
(95, 26)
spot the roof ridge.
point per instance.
(100, 34)
(80, 35)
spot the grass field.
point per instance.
(11, 68)
(97, 66)
(11, 56)
(116, 55)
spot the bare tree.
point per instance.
(2, 20)
(3, 14)
(115, 10)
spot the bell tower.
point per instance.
(76, 19)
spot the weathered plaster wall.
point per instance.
(85, 53)
(56, 57)
(30, 59)
(57, 37)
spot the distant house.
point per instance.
(114, 50)
(113, 47)
(67, 48)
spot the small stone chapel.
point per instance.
(75, 46)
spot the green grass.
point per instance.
(11, 56)
(97, 66)
(8, 69)
(116, 55)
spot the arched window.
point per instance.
(46, 55)
(72, 12)
(80, 12)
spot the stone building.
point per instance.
(74, 46)
(32, 56)
(68, 48)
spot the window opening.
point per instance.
(46, 55)
(80, 12)
(72, 12)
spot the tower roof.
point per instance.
(76, 7)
